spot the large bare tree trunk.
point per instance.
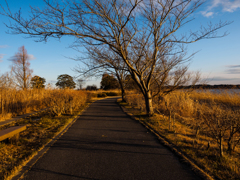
(148, 103)
(123, 95)
(121, 83)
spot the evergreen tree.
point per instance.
(65, 81)
(38, 82)
(109, 82)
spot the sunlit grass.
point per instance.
(15, 102)
(64, 106)
(200, 118)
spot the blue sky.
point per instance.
(217, 59)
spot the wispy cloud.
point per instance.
(233, 69)
(218, 78)
(226, 5)
(1, 57)
(223, 80)
(233, 66)
(31, 57)
(4, 46)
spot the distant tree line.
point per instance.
(91, 88)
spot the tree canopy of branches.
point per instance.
(144, 35)
(65, 81)
(109, 82)
(130, 83)
(21, 68)
(38, 82)
(99, 61)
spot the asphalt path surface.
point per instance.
(105, 143)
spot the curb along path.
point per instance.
(105, 143)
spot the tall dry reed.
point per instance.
(216, 115)
(15, 102)
(66, 101)
(207, 127)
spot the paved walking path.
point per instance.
(104, 143)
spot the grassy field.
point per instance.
(64, 106)
(16, 102)
(203, 125)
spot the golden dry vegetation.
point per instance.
(15, 102)
(64, 106)
(105, 93)
(202, 124)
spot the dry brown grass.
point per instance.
(65, 101)
(16, 102)
(40, 129)
(230, 100)
(104, 93)
(203, 122)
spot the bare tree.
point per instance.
(169, 73)
(6, 81)
(80, 83)
(100, 61)
(21, 68)
(141, 32)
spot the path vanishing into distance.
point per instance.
(105, 143)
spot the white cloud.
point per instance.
(229, 6)
(4, 46)
(207, 14)
(226, 5)
(31, 57)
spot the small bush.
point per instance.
(101, 95)
(136, 100)
(66, 101)
(90, 95)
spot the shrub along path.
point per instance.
(8, 121)
(104, 143)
